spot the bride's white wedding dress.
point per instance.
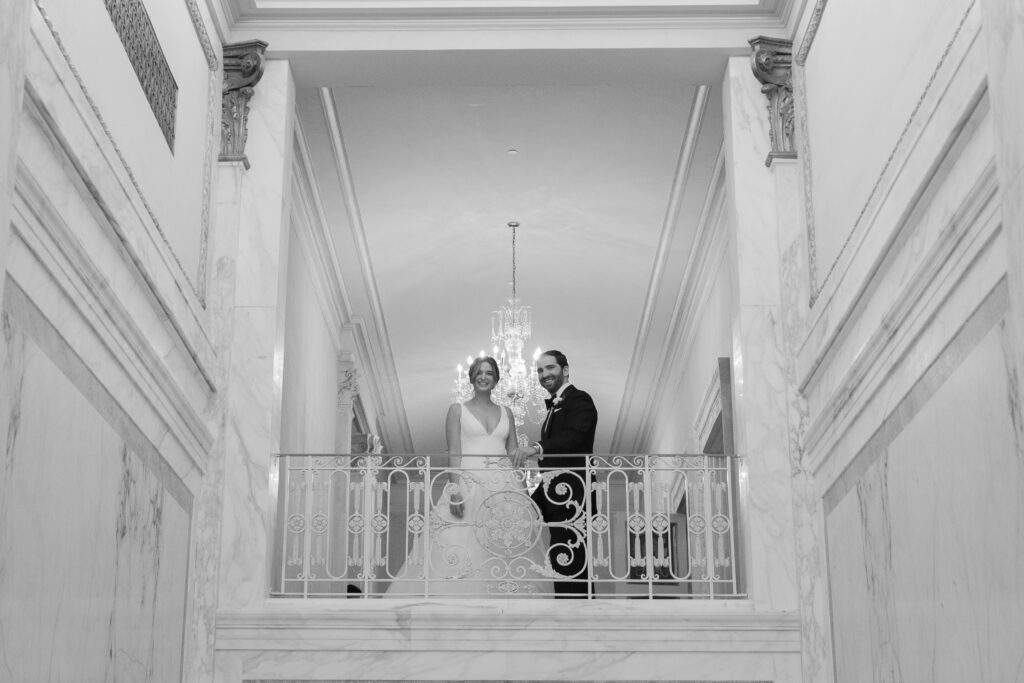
(497, 546)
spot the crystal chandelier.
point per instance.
(518, 388)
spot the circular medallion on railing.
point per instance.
(600, 524)
(659, 523)
(637, 524)
(509, 524)
(297, 523)
(356, 524)
(697, 525)
(379, 523)
(319, 523)
(416, 523)
(720, 524)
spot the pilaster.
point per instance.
(762, 389)
(247, 283)
(348, 389)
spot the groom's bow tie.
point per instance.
(548, 402)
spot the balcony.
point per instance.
(366, 526)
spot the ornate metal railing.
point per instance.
(403, 526)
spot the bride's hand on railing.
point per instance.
(456, 501)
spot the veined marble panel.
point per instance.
(925, 552)
(509, 639)
(94, 550)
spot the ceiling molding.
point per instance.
(705, 259)
(682, 172)
(333, 15)
(225, 17)
(387, 381)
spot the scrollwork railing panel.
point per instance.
(411, 526)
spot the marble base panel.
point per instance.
(94, 551)
(508, 640)
(924, 551)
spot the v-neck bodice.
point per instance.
(477, 440)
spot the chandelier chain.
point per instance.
(513, 225)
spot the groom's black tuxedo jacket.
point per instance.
(569, 431)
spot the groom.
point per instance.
(566, 438)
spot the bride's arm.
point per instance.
(512, 441)
(452, 432)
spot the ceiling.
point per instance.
(409, 111)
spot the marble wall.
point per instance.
(108, 382)
(905, 351)
(925, 549)
(94, 533)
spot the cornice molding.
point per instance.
(668, 227)
(810, 32)
(384, 358)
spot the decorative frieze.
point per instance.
(243, 68)
(772, 62)
(135, 30)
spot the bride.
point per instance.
(485, 532)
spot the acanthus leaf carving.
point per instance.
(772, 63)
(243, 67)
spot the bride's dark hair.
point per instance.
(475, 366)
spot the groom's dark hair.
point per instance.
(558, 356)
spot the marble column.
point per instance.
(1003, 31)
(252, 229)
(348, 388)
(762, 391)
(13, 33)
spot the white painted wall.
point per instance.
(310, 381)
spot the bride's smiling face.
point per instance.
(485, 377)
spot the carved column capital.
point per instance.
(243, 67)
(348, 386)
(772, 63)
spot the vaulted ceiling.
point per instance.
(429, 124)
